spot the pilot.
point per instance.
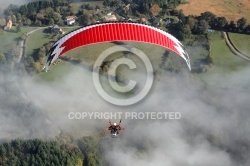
(115, 128)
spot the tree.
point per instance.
(2, 22)
(106, 2)
(186, 32)
(13, 18)
(18, 28)
(51, 21)
(40, 16)
(247, 29)
(155, 10)
(38, 23)
(2, 58)
(221, 22)
(182, 17)
(209, 17)
(31, 8)
(37, 152)
(29, 64)
(8, 18)
(201, 27)
(27, 22)
(85, 19)
(49, 11)
(73, 8)
(209, 59)
(48, 46)
(2, 151)
(56, 17)
(241, 23)
(23, 10)
(191, 21)
(114, 3)
(40, 55)
(232, 26)
(18, 18)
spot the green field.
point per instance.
(58, 70)
(241, 42)
(223, 57)
(40, 38)
(225, 62)
(88, 55)
(197, 52)
(35, 41)
(8, 39)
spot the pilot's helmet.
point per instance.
(114, 124)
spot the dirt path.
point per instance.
(23, 45)
(234, 49)
(23, 41)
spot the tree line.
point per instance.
(83, 152)
(38, 152)
(39, 13)
(44, 13)
(199, 25)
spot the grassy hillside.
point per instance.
(241, 42)
(10, 38)
(225, 62)
(223, 57)
(41, 37)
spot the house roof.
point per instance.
(8, 25)
(143, 19)
(110, 17)
(70, 17)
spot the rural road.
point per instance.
(23, 40)
(233, 48)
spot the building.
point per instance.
(110, 17)
(70, 20)
(57, 30)
(144, 21)
(8, 25)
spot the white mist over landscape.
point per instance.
(213, 129)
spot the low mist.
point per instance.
(213, 129)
